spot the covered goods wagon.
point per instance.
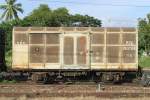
(98, 49)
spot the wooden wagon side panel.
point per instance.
(114, 49)
(20, 49)
(94, 48)
(98, 48)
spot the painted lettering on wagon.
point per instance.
(129, 43)
(129, 48)
(129, 51)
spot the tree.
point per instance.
(40, 16)
(61, 17)
(11, 9)
(6, 28)
(44, 16)
(86, 20)
(144, 35)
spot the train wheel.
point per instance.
(35, 77)
(47, 78)
(117, 79)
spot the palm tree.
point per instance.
(11, 9)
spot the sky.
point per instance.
(111, 12)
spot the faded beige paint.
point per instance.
(36, 66)
(52, 66)
(21, 55)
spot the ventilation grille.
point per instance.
(52, 54)
(36, 38)
(21, 39)
(81, 50)
(82, 28)
(129, 29)
(98, 29)
(113, 39)
(97, 54)
(113, 29)
(129, 39)
(52, 38)
(36, 54)
(68, 51)
(37, 28)
(112, 53)
(97, 38)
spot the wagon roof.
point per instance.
(80, 29)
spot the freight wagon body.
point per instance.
(98, 49)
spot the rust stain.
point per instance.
(19, 65)
(36, 65)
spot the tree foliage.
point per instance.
(11, 9)
(7, 27)
(44, 16)
(144, 34)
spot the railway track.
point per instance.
(73, 90)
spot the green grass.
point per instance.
(144, 61)
(8, 81)
(8, 58)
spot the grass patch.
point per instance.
(8, 58)
(8, 81)
(144, 61)
(12, 81)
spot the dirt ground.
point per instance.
(73, 92)
(66, 98)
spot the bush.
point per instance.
(8, 58)
(144, 61)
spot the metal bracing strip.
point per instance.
(88, 39)
(61, 50)
(58, 44)
(119, 45)
(97, 44)
(37, 44)
(128, 32)
(104, 53)
(28, 35)
(97, 32)
(44, 30)
(13, 43)
(29, 49)
(75, 50)
(90, 51)
(44, 56)
(113, 32)
(137, 46)
(87, 49)
(120, 48)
